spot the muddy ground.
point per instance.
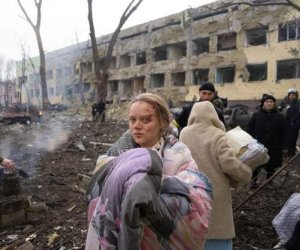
(57, 151)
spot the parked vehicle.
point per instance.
(238, 115)
(21, 113)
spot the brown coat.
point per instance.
(206, 138)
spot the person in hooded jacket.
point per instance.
(206, 137)
(290, 107)
(267, 127)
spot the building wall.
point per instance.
(172, 55)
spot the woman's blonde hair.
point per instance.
(160, 107)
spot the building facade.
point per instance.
(245, 51)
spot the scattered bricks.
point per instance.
(36, 211)
(10, 204)
(17, 217)
(26, 246)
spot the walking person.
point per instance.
(205, 136)
(290, 107)
(267, 126)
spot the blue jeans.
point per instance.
(218, 245)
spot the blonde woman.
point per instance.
(150, 193)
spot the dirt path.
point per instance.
(54, 173)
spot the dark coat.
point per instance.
(183, 116)
(268, 129)
(291, 109)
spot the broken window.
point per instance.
(256, 36)
(37, 93)
(227, 41)
(68, 90)
(178, 78)
(76, 88)
(49, 74)
(258, 72)
(22, 79)
(86, 87)
(200, 46)
(140, 58)
(114, 87)
(225, 74)
(127, 89)
(51, 91)
(288, 69)
(176, 51)
(157, 80)
(67, 72)
(289, 31)
(58, 90)
(59, 73)
(124, 61)
(200, 76)
(160, 53)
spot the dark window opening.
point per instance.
(160, 54)
(76, 88)
(225, 74)
(176, 51)
(49, 74)
(86, 87)
(59, 73)
(51, 91)
(227, 41)
(37, 93)
(288, 69)
(58, 90)
(68, 90)
(67, 72)
(124, 61)
(200, 76)
(289, 31)
(256, 36)
(201, 46)
(157, 80)
(22, 79)
(258, 72)
(178, 78)
(114, 86)
(140, 58)
(87, 67)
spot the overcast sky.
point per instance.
(64, 20)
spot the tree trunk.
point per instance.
(101, 67)
(45, 100)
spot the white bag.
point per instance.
(246, 148)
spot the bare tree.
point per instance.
(101, 65)
(36, 27)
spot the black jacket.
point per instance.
(182, 117)
(268, 129)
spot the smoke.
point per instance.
(26, 144)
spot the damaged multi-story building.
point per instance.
(245, 51)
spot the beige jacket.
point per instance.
(206, 138)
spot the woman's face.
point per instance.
(144, 124)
